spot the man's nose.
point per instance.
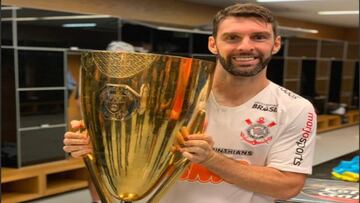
(245, 44)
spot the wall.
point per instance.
(174, 12)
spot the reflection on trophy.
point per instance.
(134, 105)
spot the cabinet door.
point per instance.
(308, 73)
(292, 75)
(322, 77)
(42, 108)
(275, 71)
(41, 145)
(335, 81)
(41, 69)
(8, 109)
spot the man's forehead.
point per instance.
(244, 24)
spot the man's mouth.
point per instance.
(244, 58)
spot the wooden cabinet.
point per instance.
(32, 182)
(33, 103)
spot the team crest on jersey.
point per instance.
(258, 132)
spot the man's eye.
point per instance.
(232, 38)
(260, 37)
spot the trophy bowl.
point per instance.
(134, 106)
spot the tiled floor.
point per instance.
(77, 196)
(322, 171)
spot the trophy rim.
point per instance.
(144, 54)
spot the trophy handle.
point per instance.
(103, 193)
(197, 125)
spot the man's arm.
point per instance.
(260, 179)
(273, 180)
(265, 180)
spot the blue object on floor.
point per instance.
(347, 170)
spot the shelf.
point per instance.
(60, 186)
(20, 190)
(32, 182)
(66, 180)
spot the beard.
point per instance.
(233, 70)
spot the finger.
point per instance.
(81, 153)
(69, 141)
(74, 148)
(198, 143)
(192, 157)
(195, 150)
(77, 124)
(185, 132)
(188, 156)
(175, 148)
(180, 138)
(72, 135)
(204, 137)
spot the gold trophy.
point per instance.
(134, 106)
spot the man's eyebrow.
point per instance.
(267, 34)
(254, 33)
(230, 33)
(262, 33)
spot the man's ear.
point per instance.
(277, 45)
(212, 45)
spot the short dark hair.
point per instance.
(245, 10)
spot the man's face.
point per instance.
(244, 46)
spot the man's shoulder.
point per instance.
(288, 98)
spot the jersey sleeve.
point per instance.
(293, 150)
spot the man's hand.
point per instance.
(77, 141)
(198, 148)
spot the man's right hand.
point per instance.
(77, 141)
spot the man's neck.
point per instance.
(233, 91)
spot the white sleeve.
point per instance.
(294, 148)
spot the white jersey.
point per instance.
(276, 128)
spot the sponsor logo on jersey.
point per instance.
(301, 143)
(289, 93)
(257, 133)
(265, 107)
(198, 173)
(234, 151)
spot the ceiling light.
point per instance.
(74, 17)
(269, 1)
(10, 8)
(79, 25)
(338, 12)
(298, 29)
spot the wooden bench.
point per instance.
(353, 116)
(328, 122)
(332, 122)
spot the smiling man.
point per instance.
(260, 138)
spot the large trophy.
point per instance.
(135, 107)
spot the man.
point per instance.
(260, 137)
